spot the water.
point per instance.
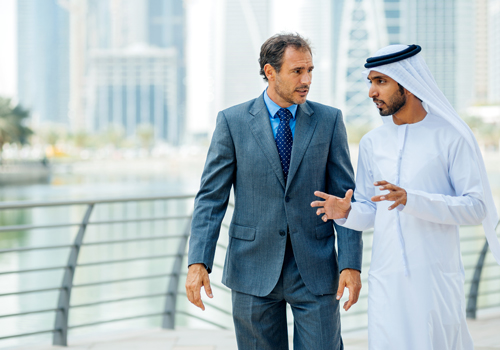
(122, 178)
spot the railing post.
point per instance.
(476, 279)
(168, 321)
(62, 315)
(474, 287)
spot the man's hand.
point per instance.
(333, 207)
(197, 276)
(396, 194)
(350, 279)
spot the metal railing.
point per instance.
(63, 308)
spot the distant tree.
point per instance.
(12, 119)
(486, 133)
(114, 135)
(145, 133)
(51, 135)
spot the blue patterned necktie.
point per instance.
(284, 139)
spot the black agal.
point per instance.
(411, 50)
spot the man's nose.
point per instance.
(372, 92)
(306, 78)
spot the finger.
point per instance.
(380, 183)
(396, 204)
(197, 299)
(348, 304)
(318, 204)
(320, 211)
(378, 198)
(340, 290)
(353, 299)
(324, 218)
(208, 288)
(321, 194)
(389, 187)
(348, 195)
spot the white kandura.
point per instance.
(416, 278)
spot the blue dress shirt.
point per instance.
(273, 108)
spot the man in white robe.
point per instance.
(420, 175)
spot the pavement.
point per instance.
(485, 331)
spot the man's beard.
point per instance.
(288, 97)
(396, 102)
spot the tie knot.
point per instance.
(284, 114)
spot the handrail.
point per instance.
(61, 326)
(32, 204)
(474, 288)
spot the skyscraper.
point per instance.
(361, 32)
(43, 60)
(136, 66)
(482, 51)
(445, 30)
(245, 26)
(494, 51)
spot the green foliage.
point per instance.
(51, 133)
(145, 133)
(487, 133)
(12, 128)
(114, 135)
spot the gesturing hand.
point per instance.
(396, 194)
(197, 276)
(333, 207)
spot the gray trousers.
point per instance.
(260, 322)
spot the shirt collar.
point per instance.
(273, 108)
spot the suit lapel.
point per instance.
(260, 127)
(304, 129)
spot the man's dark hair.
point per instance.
(402, 91)
(273, 50)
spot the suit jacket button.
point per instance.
(287, 199)
(282, 233)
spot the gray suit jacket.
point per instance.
(243, 155)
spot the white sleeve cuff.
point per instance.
(340, 222)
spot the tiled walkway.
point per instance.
(485, 331)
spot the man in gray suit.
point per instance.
(275, 151)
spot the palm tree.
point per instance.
(12, 129)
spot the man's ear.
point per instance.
(270, 72)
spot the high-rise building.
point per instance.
(135, 66)
(313, 20)
(135, 86)
(245, 25)
(494, 51)
(446, 31)
(43, 60)
(482, 52)
(361, 32)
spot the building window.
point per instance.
(393, 30)
(392, 14)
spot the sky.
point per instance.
(8, 59)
